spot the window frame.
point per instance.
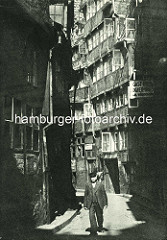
(129, 29)
(109, 142)
(116, 66)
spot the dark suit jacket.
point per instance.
(100, 194)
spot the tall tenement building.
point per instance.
(119, 50)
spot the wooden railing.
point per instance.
(96, 20)
(101, 50)
(81, 126)
(81, 95)
(110, 82)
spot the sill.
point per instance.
(91, 158)
(123, 150)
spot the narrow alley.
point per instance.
(122, 219)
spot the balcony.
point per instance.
(82, 126)
(109, 82)
(122, 7)
(97, 19)
(79, 63)
(100, 51)
(81, 95)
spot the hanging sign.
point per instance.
(140, 89)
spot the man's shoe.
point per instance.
(105, 229)
(100, 229)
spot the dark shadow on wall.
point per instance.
(16, 216)
(61, 191)
(113, 171)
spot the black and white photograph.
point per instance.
(83, 119)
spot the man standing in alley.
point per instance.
(95, 199)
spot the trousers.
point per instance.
(95, 212)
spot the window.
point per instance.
(107, 142)
(94, 75)
(116, 140)
(98, 72)
(94, 41)
(57, 13)
(101, 70)
(82, 48)
(78, 114)
(106, 68)
(108, 26)
(121, 28)
(80, 146)
(31, 164)
(117, 60)
(98, 109)
(90, 44)
(98, 4)
(102, 107)
(88, 110)
(72, 152)
(101, 35)
(122, 140)
(113, 102)
(88, 12)
(130, 28)
(104, 104)
(109, 104)
(97, 38)
(93, 8)
(117, 102)
(133, 103)
(32, 70)
(125, 98)
(91, 154)
(121, 100)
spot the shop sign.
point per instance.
(140, 89)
